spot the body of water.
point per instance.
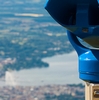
(63, 69)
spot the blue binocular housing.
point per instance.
(70, 12)
(76, 15)
(81, 19)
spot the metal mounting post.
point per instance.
(91, 91)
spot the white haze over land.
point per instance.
(36, 1)
(29, 15)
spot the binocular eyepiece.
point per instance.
(81, 17)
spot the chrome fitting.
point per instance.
(91, 91)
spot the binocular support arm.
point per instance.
(88, 60)
(90, 67)
(76, 44)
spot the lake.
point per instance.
(63, 69)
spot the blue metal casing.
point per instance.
(88, 60)
(81, 19)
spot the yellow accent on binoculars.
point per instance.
(72, 29)
(93, 41)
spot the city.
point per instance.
(47, 92)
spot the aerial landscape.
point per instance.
(27, 35)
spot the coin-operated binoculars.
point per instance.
(81, 19)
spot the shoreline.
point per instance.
(60, 71)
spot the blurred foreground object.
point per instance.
(81, 19)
